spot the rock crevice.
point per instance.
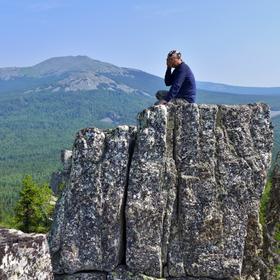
(176, 197)
(122, 256)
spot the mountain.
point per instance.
(218, 87)
(211, 97)
(43, 106)
(76, 73)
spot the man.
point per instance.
(181, 80)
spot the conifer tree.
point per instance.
(34, 208)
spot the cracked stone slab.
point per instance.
(221, 162)
(24, 256)
(181, 204)
(151, 194)
(87, 233)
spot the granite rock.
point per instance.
(176, 197)
(24, 256)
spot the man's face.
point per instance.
(173, 61)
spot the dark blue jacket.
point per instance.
(182, 83)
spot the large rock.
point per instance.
(24, 256)
(176, 198)
(87, 232)
(151, 193)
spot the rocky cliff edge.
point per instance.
(175, 197)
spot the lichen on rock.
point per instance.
(24, 256)
(176, 197)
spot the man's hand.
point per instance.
(168, 62)
(162, 101)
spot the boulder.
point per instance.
(176, 197)
(24, 256)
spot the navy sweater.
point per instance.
(182, 83)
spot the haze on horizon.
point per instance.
(230, 42)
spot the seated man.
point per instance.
(181, 80)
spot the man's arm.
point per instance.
(167, 78)
(177, 83)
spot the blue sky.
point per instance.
(228, 41)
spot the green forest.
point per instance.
(35, 127)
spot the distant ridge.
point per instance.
(217, 87)
(75, 73)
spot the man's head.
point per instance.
(174, 58)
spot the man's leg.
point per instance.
(179, 101)
(160, 94)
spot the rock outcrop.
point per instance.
(271, 244)
(60, 178)
(176, 197)
(24, 256)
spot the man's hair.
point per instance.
(174, 52)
